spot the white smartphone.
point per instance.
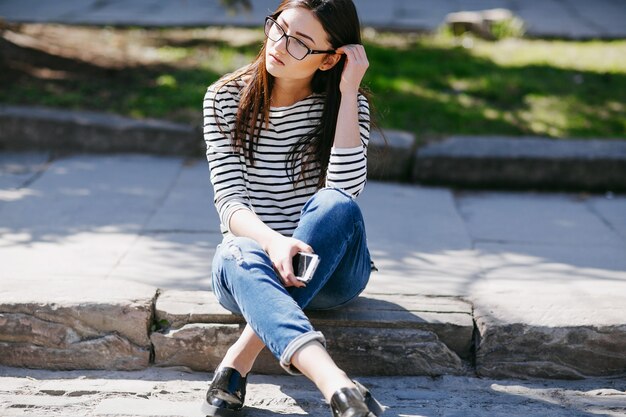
(304, 265)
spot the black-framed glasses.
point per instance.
(297, 48)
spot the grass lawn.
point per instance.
(432, 85)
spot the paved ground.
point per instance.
(75, 227)
(55, 212)
(174, 393)
(562, 18)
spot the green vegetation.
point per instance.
(432, 85)
(508, 28)
(435, 86)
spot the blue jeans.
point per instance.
(244, 280)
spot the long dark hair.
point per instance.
(340, 21)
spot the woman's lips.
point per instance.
(276, 59)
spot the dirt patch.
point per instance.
(121, 70)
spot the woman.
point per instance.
(286, 144)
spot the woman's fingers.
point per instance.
(353, 51)
(288, 277)
(281, 254)
(303, 247)
(354, 70)
(286, 274)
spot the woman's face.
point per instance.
(303, 25)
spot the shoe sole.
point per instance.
(213, 411)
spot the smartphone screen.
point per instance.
(304, 265)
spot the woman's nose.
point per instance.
(281, 44)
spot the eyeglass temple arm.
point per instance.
(330, 51)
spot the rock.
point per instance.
(365, 337)
(184, 307)
(359, 351)
(377, 351)
(198, 346)
(71, 323)
(461, 22)
(480, 23)
(519, 350)
(448, 317)
(101, 328)
(107, 352)
(491, 16)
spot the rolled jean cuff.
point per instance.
(297, 344)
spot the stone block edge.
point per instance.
(37, 128)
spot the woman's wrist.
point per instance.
(269, 238)
(349, 92)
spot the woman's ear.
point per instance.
(330, 61)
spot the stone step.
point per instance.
(431, 334)
(104, 327)
(50, 129)
(461, 161)
(25, 128)
(110, 328)
(523, 162)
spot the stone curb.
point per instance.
(49, 328)
(366, 337)
(458, 161)
(524, 162)
(523, 350)
(190, 329)
(433, 336)
(45, 129)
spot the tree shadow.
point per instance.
(429, 90)
(310, 403)
(419, 396)
(434, 397)
(251, 47)
(130, 88)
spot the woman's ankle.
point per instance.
(242, 366)
(242, 354)
(316, 364)
(333, 383)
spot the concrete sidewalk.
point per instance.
(564, 18)
(106, 259)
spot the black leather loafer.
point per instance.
(351, 402)
(372, 404)
(226, 394)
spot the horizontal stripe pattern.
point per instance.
(266, 188)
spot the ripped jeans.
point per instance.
(244, 280)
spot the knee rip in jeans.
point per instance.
(233, 252)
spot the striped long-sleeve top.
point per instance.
(267, 187)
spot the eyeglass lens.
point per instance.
(294, 46)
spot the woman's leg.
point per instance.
(316, 364)
(332, 224)
(245, 282)
(242, 354)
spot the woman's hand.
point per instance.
(354, 69)
(281, 252)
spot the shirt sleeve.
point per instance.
(347, 167)
(226, 166)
